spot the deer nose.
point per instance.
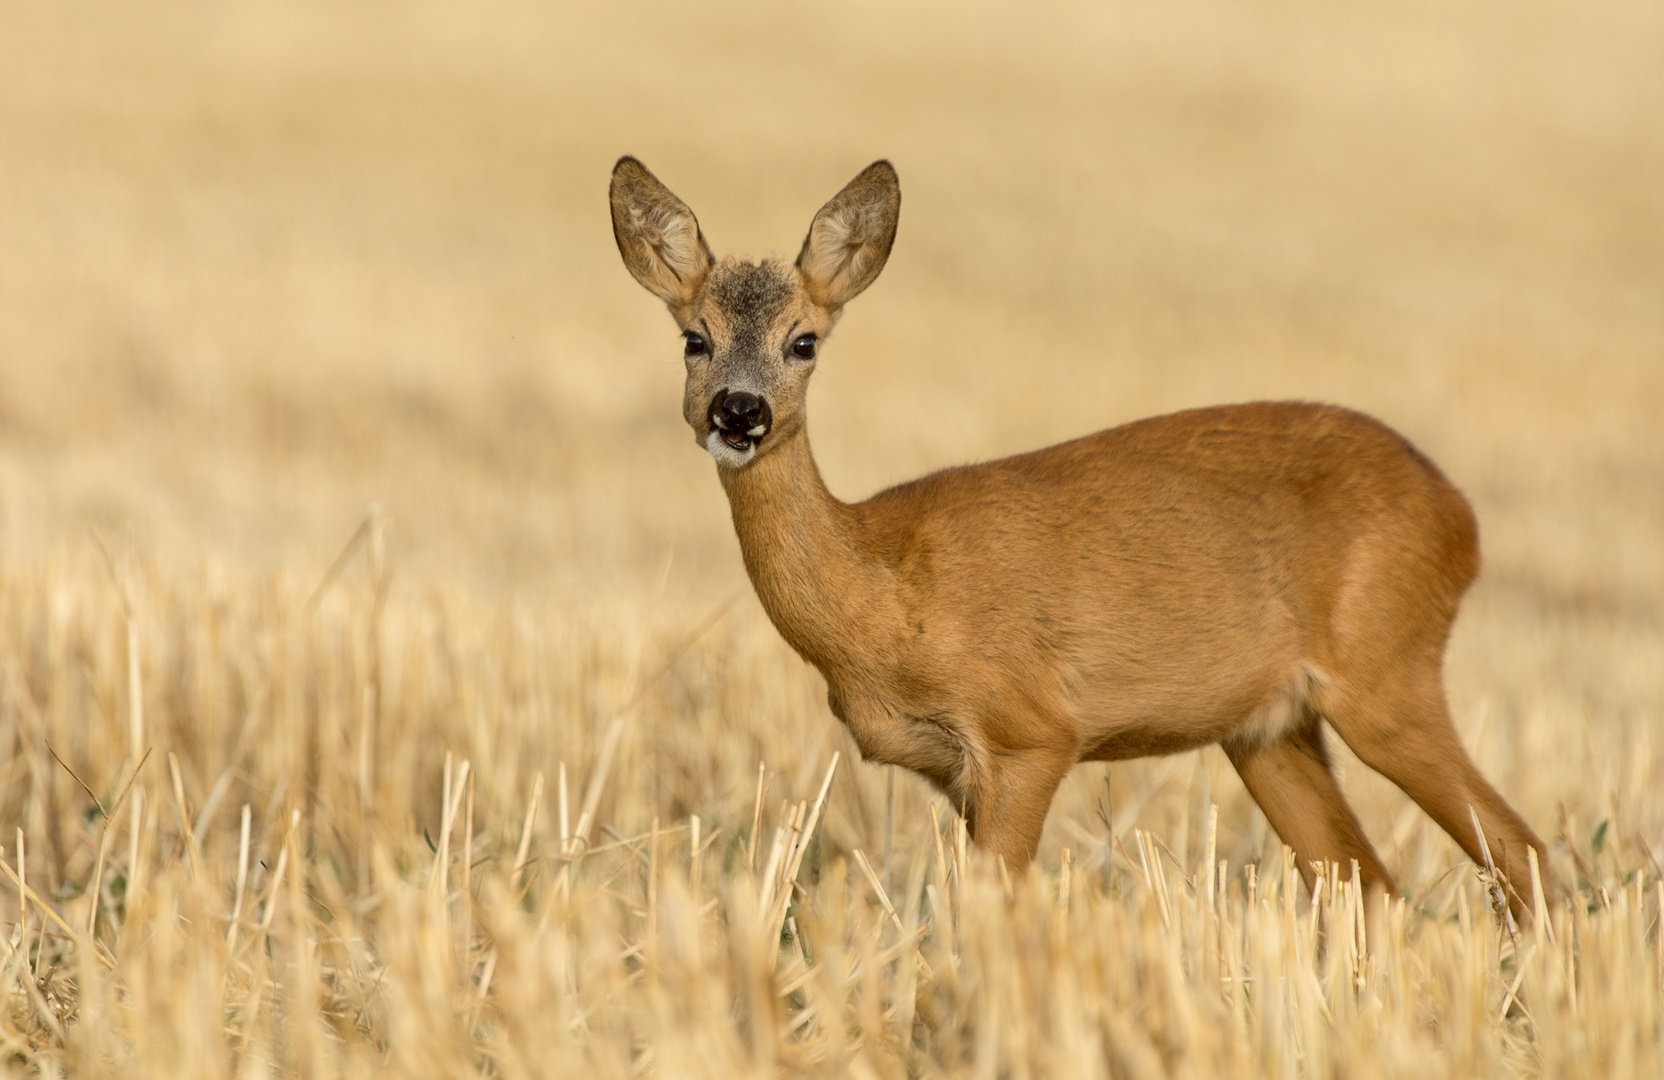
(741, 413)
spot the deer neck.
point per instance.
(831, 599)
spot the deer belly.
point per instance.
(1146, 725)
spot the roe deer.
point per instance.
(1229, 575)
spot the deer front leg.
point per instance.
(1009, 801)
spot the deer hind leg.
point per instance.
(1402, 729)
(1293, 783)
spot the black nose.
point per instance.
(741, 413)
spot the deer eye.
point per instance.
(693, 344)
(804, 347)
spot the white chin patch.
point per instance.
(726, 455)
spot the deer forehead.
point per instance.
(745, 304)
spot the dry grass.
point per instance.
(262, 265)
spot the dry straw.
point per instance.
(486, 942)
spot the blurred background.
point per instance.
(264, 264)
(261, 264)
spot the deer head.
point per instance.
(751, 331)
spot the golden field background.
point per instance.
(264, 265)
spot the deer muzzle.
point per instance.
(742, 418)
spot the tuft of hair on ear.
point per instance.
(850, 238)
(657, 235)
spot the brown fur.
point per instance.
(1229, 575)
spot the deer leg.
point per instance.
(1008, 807)
(1409, 738)
(1293, 783)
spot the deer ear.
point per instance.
(657, 234)
(850, 238)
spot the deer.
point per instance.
(1239, 575)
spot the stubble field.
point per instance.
(380, 688)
